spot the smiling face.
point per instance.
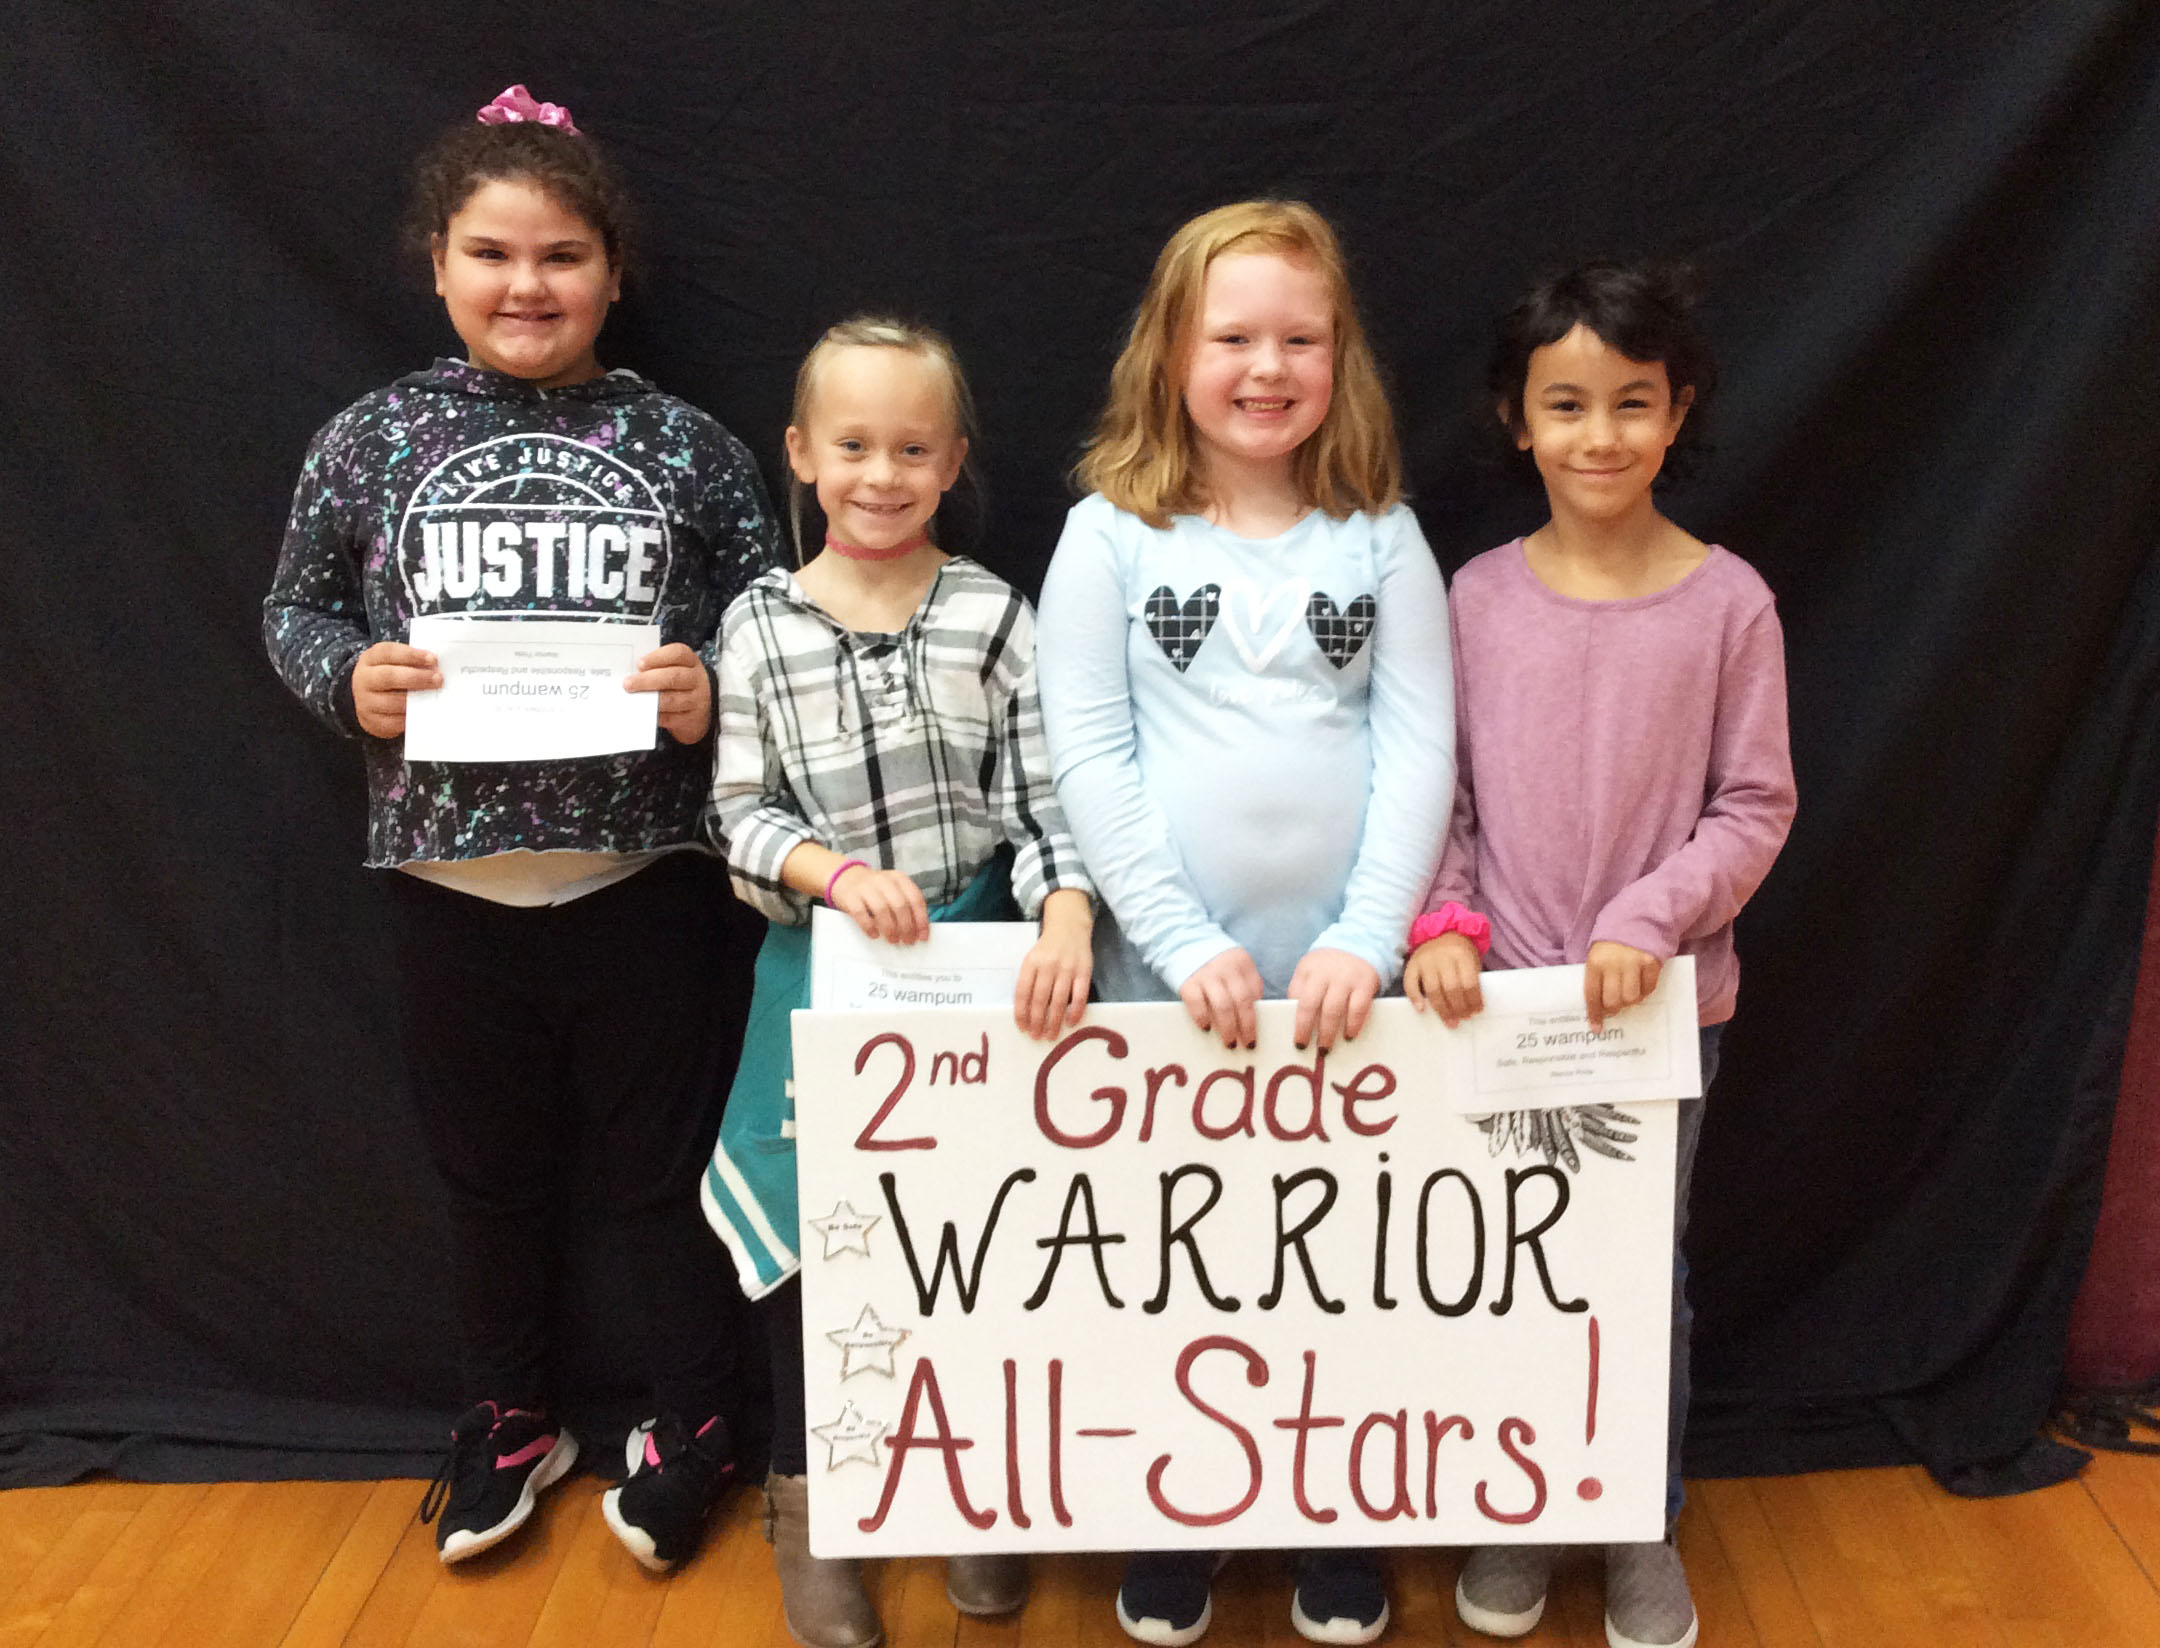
(881, 444)
(1260, 371)
(527, 284)
(1597, 425)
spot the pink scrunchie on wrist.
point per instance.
(1452, 918)
(517, 105)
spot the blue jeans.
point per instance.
(1688, 1124)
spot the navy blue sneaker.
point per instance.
(1167, 1597)
(1340, 1597)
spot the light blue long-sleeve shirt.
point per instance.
(1253, 739)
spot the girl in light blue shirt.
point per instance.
(1243, 655)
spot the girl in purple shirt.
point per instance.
(1623, 777)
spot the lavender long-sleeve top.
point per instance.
(1622, 766)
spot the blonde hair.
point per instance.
(883, 332)
(1142, 456)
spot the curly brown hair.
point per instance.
(569, 168)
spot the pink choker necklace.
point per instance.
(856, 552)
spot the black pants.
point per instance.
(569, 1065)
(780, 1312)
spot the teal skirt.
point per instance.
(749, 1191)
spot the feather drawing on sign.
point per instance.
(1561, 1136)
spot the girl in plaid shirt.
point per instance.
(880, 748)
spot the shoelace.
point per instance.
(456, 1463)
(914, 658)
(469, 1445)
(670, 1438)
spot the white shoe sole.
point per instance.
(1493, 1623)
(1160, 1632)
(550, 1471)
(1337, 1629)
(1618, 1639)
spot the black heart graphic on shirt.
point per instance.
(1340, 632)
(1179, 630)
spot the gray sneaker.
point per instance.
(1502, 1588)
(1647, 1604)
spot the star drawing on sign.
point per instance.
(852, 1436)
(868, 1346)
(845, 1230)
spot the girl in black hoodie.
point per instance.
(558, 931)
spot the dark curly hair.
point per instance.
(569, 168)
(1645, 311)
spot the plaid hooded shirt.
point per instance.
(920, 751)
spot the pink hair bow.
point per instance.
(518, 104)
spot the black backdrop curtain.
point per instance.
(1931, 238)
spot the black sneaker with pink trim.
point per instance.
(501, 1460)
(676, 1477)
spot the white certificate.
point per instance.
(1532, 1047)
(961, 964)
(530, 689)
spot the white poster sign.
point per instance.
(528, 689)
(1131, 1290)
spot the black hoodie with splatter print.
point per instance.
(460, 490)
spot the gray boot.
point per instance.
(995, 1584)
(824, 1598)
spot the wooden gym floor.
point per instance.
(1838, 1560)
